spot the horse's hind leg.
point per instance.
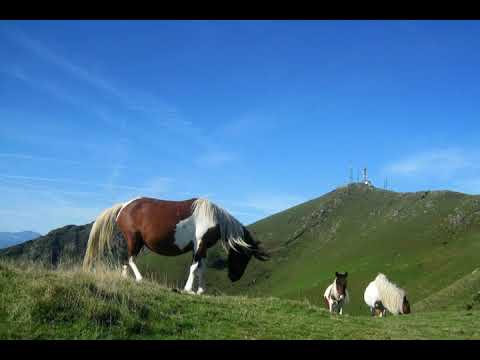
(134, 244)
(138, 276)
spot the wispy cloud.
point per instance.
(152, 108)
(129, 100)
(43, 52)
(265, 203)
(214, 158)
(43, 208)
(63, 95)
(256, 206)
(244, 213)
(453, 168)
(273, 203)
(41, 158)
(42, 204)
(158, 185)
(442, 162)
(51, 217)
(49, 87)
(75, 182)
(47, 190)
(20, 156)
(104, 99)
(247, 124)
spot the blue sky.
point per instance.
(256, 115)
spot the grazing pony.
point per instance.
(382, 295)
(371, 297)
(336, 294)
(172, 228)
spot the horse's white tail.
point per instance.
(101, 235)
(390, 294)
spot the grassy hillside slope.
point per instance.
(41, 304)
(462, 294)
(423, 241)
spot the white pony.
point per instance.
(336, 294)
(382, 295)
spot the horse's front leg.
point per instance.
(191, 278)
(201, 277)
(197, 270)
(201, 257)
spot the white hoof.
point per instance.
(200, 291)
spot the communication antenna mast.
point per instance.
(365, 177)
(350, 179)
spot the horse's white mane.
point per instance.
(390, 294)
(231, 229)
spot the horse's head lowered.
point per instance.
(379, 309)
(341, 284)
(239, 257)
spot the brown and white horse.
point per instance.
(336, 294)
(172, 228)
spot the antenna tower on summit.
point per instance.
(365, 178)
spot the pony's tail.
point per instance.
(101, 235)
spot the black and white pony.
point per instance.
(336, 294)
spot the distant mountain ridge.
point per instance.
(14, 238)
(65, 244)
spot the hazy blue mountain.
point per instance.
(13, 238)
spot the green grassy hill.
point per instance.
(42, 304)
(422, 241)
(462, 294)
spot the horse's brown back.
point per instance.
(152, 222)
